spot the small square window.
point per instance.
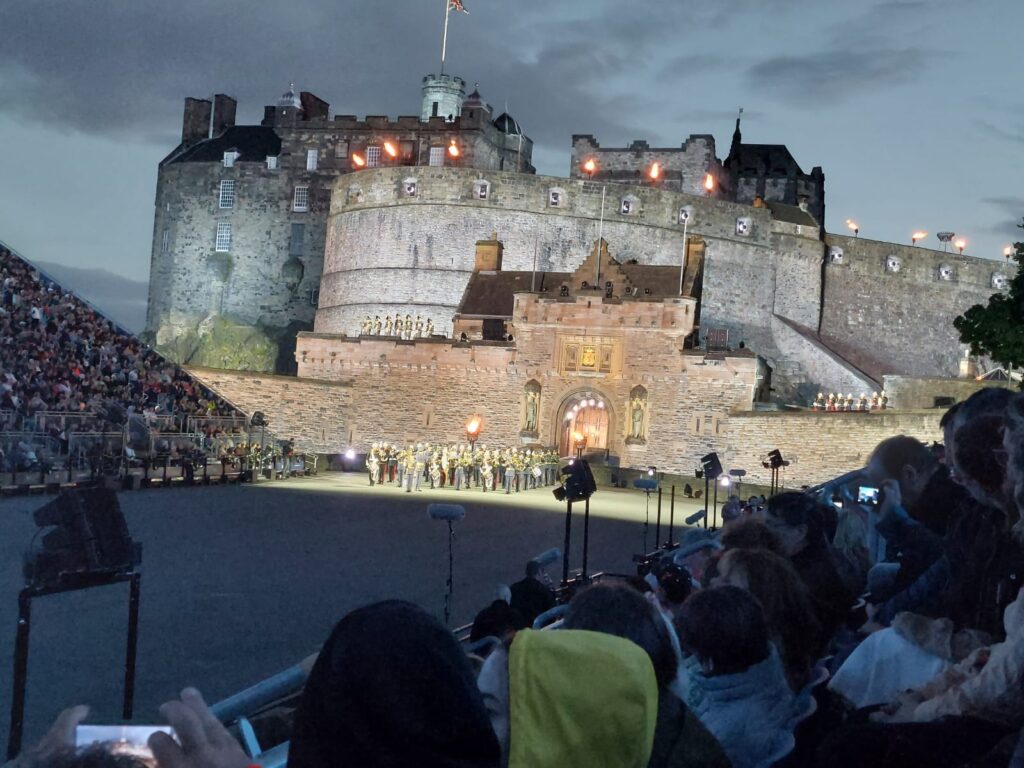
(372, 157)
(223, 243)
(229, 158)
(437, 156)
(312, 155)
(271, 162)
(481, 190)
(165, 241)
(341, 149)
(227, 193)
(301, 200)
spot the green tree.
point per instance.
(996, 329)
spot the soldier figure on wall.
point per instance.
(376, 325)
(407, 327)
(388, 327)
(366, 326)
(419, 327)
(430, 327)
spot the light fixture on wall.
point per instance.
(709, 183)
(358, 161)
(851, 224)
(945, 238)
(655, 171)
(1008, 252)
(960, 245)
(590, 167)
(390, 149)
(453, 149)
(919, 235)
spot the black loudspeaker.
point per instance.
(577, 482)
(258, 419)
(87, 534)
(711, 465)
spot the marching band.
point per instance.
(461, 466)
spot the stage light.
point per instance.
(358, 160)
(709, 183)
(726, 482)
(568, 416)
(589, 167)
(350, 454)
(453, 149)
(591, 401)
(600, 403)
(390, 149)
(851, 224)
(917, 236)
(960, 245)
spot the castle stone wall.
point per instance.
(902, 319)
(373, 225)
(910, 392)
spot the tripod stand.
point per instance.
(451, 574)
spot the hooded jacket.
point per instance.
(572, 699)
(748, 712)
(391, 688)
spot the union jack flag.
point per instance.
(456, 5)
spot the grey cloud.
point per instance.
(836, 75)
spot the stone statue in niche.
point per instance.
(637, 432)
(531, 411)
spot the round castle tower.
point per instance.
(442, 96)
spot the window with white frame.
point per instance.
(437, 156)
(301, 200)
(227, 193)
(271, 162)
(312, 155)
(372, 157)
(223, 244)
(229, 158)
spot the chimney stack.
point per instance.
(195, 126)
(488, 254)
(223, 113)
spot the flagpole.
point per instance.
(444, 41)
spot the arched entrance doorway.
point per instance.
(584, 417)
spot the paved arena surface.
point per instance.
(242, 581)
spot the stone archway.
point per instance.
(587, 414)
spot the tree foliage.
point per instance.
(996, 329)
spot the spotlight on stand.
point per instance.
(577, 483)
(774, 462)
(648, 483)
(711, 468)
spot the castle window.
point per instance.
(437, 156)
(433, 109)
(481, 189)
(297, 239)
(341, 149)
(271, 162)
(227, 193)
(229, 158)
(556, 197)
(223, 242)
(312, 155)
(165, 240)
(629, 206)
(372, 157)
(301, 200)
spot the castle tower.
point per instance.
(442, 96)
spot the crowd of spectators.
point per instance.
(65, 369)
(719, 655)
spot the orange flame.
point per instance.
(590, 166)
(709, 182)
(390, 149)
(655, 171)
(358, 160)
(453, 149)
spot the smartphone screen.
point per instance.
(122, 739)
(867, 494)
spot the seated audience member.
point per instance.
(735, 681)
(498, 619)
(751, 533)
(916, 498)
(391, 687)
(798, 520)
(977, 578)
(792, 625)
(618, 609)
(697, 546)
(531, 596)
(674, 585)
(571, 699)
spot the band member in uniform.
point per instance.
(400, 465)
(373, 465)
(510, 472)
(408, 457)
(486, 470)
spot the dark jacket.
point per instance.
(831, 599)
(530, 599)
(392, 688)
(681, 740)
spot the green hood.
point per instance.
(580, 700)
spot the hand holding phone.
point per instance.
(204, 741)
